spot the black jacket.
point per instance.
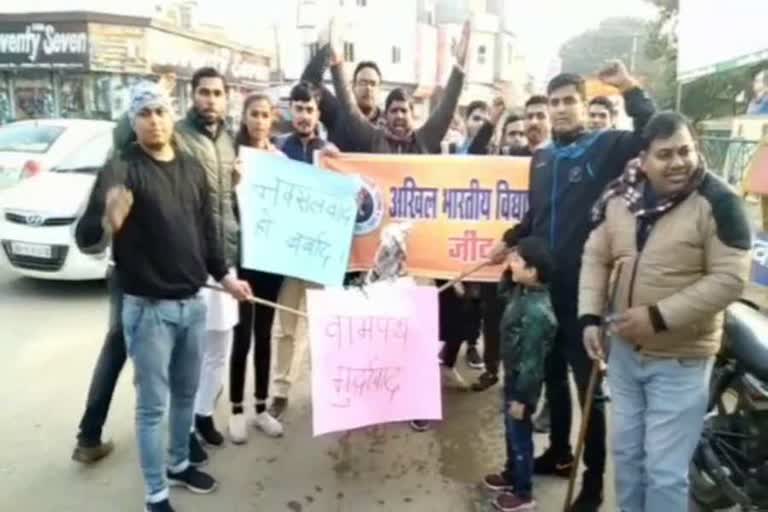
(566, 178)
(294, 148)
(168, 244)
(329, 105)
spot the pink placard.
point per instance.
(374, 356)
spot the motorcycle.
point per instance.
(730, 465)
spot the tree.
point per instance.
(615, 38)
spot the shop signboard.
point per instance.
(43, 45)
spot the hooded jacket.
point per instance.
(566, 178)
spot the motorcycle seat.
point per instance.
(746, 337)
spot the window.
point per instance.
(349, 52)
(481, 54)
(396, 55)
(362, 3)
(29, 137)
(509, 53)
(89, 158)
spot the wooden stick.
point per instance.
(263, 302)
(464, 275)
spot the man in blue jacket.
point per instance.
(566, 178)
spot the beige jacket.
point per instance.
(694, 263)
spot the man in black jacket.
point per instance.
(566, 179)
(157, 210)
(366, 84)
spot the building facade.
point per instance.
(83, 64)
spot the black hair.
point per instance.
(663, 125)
(397, 94)
(303, 91)
(511, 118)
(243, 138)
(604, 102)
(365, 64)
(537, 99)
(476, 105)
(535, 253)
(207, 72)
(566, 79)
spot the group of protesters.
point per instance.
(629, 244)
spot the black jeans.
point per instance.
(492, 308)
(458, 323)
(108, 367)
(255, 323)
(568, 350)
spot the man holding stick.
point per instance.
(567, 177)
(165, 245)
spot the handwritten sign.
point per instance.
(374, 356)
(296, 219)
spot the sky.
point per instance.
(542, 25)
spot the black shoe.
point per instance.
(194, 480)
(278, 407)
(485, 381)
(88, 454)
(552, 463)
(420, 425)
(473, 358)
(161, 506)
(591, 496)
(207, 430)
(197, 456)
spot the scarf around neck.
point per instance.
(630, 186)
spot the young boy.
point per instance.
(528, 329)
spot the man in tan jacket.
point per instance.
(676, 239)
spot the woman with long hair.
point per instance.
(255, 319)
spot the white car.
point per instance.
(39, 216)
(28, 148)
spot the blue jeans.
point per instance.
(163, 338)
(519, 439)
(658, 414)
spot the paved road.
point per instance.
(50, 336)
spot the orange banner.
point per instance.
(460, 207)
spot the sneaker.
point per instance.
(512, 503)
(90, 454)
(541, 421)
(160, 506)
(452, 379)
(207, 431)
(590, 497)
(473, 358)
(238, 429)
(551, 463)
(194, 480)
(278, 407)
(197, 455)
(267, 424)
(498, 483)
(485, 381)
(419, 425)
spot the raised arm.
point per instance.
(313, 74)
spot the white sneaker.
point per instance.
(238, 429)
(267, 424)
(451, 378)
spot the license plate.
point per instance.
(32, 250)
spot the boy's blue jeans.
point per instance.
(519, 439)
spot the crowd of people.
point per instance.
(651, 223)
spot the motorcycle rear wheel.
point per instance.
(705, 491)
